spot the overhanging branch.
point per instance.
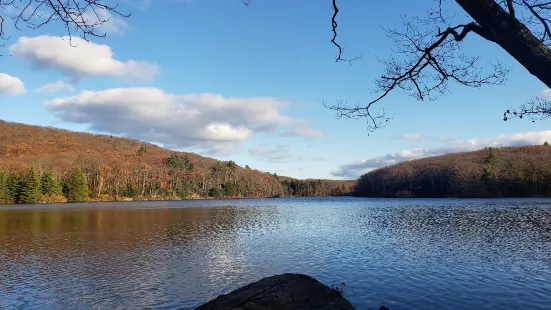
(536, 109)
(77, 16)
(426, 68)
(334, 26)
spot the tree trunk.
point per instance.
(513, 36)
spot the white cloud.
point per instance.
(546, 93)
(11, 85)
(410, 137)
(79, 58)
(55, 86)
(354, 170)
(207, 122)
(105, 21)
(304, 132)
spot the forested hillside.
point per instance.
(47, 164)
(492, 172)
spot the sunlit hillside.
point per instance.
(117, 168)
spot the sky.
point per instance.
(248, 84)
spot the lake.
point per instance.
(402, 253)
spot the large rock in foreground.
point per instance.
(286, 291)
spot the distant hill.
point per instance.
(120, 168)
(492, 172)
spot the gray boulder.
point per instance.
(282, 292)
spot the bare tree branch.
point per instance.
(334, 26)
(82, 17)
(426, 66)
(533, 13)
(424, 62)
(536, 109)
(373, 121)
(538, 13)
(511, 7)
(2, 33)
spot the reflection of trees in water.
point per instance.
(108, 229)
(96, 229)
(117, 251)
(117, 229)
(497, 233)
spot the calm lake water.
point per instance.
(405, 254)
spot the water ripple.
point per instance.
(406, 253)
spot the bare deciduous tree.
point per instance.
(427, 54)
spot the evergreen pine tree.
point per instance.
(77, 187)
(4, 193)
(13, 182)
(50, 184)
(30, 186)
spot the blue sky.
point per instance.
(247, 84)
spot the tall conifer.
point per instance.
(77, 187)
(30, 186)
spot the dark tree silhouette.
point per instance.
(427, 54)
(78, 17)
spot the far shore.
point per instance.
(173, 199)
(118, 200)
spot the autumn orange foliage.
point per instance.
(121, 167)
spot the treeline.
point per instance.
(119, 168)
(491, 172)
(295, 187)
(33, 187)
(178, 180)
